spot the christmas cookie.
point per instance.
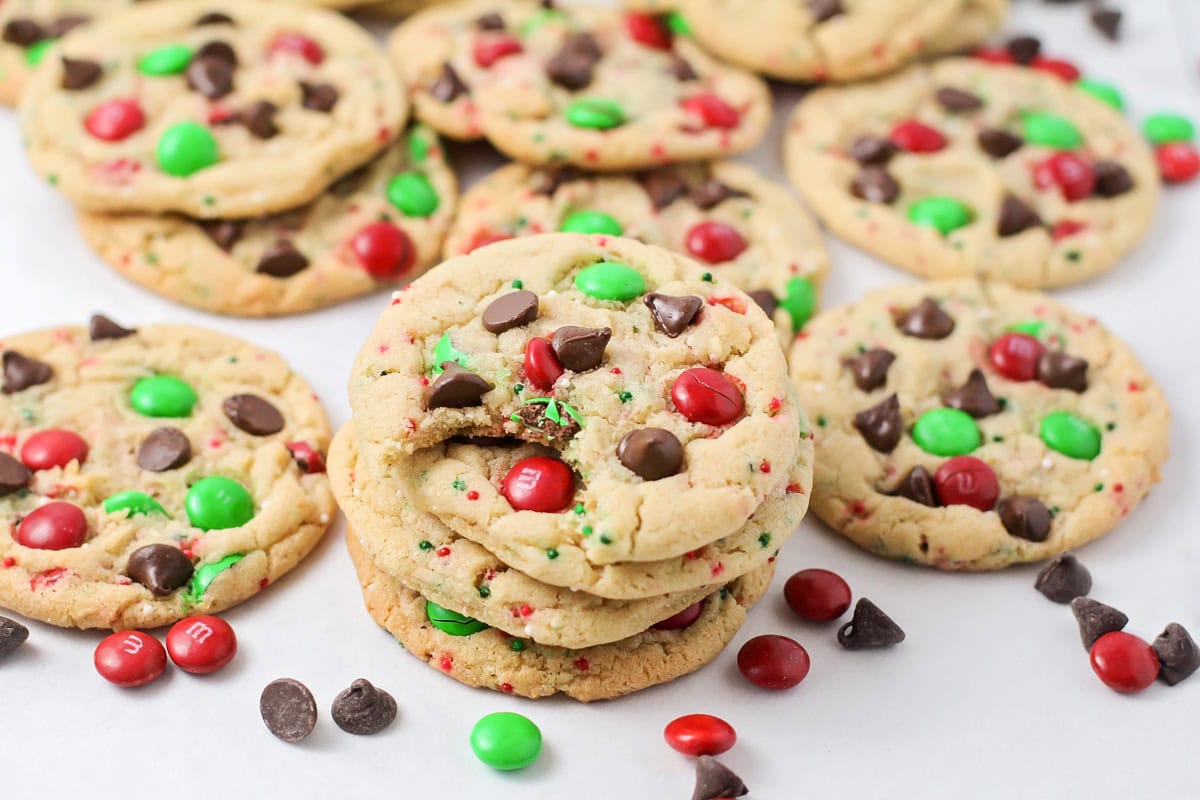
(490, 658)
(373, 228)
(661, 386)
(725, 215)
(972, 426)
(589, 86)
(150, 474)
(211, 109)
(970, 168)
(972, 25)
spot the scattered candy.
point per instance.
(1178, 162)
(946, 432)
(201, 645)
(1095, 619)
(363, 709)
(773, 662)
(591, 222)
(1070, 435)
(216, 503)
(383, 250)
(186, 148)
(1064, 579)
(413, 194)
(288, 709)
(54, 526)
(817, 595)
(1124, 662)
(539, 484)
(1177, 653)
(714, 242)
(943, 214)
(12, 635)
(706, 396)
(965, 480)
(162, 396)
(130, 658)
(53, 448)
(595, 113)
(490, 50)
(870, 628)
(1163, 128)
(161, 568)
(506, 741)
(700, 735)
(715, 781)
(609, 280)
(205, 574)
(452, 622)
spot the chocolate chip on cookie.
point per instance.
(23, 32)
(1025, 517)
(210, 77)
(673, 315)
(998, 143)
(870, 368)
(711, 193)
(1024, 49)
(161, 568)
(363, 709)
(1016, 216)
(22, 372)
(651, 453)
(101, 327)
(875, 185)
(873, 150)
(511, 310)
(448, 86)
(1177, 653)
(573, 65)
(974, 397)
(664, 186)
(1064, 579)
(79, 73)
(214, 18)
(456, 388)
(288, 709)
(281, 260)
(318, 96)
(917, 485)
(1095, 619)
(1058, 370)
(14, 476)
(1112, 179)
(580, 349)
(253, 414)
(224, 233)
(164, 449)
(259, 119)
(870, 628)
(881, 425)
(958, 100)
(926, 320)
(824, 10)
(766, 300)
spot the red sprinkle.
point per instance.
(1065, 228)
(582, 664)
(765, 467)
(526, 611)
(9, 561)
(506, 688)
(442, 552)
(472, 495)
(446, 663)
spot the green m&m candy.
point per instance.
(452, 622)
(418, 147)
(945, 214)
(1032, 327)
(1104, 92)
(1050, 130)
(678, 24)
(413, 194)
(1070, 435)
(799, 301)
(205, 574)
(591, 222)
(37, 51)
(609, 280)
(506, 741)
(186, 148)
(170, 59)
(596, 113)
(445, 351)
(216, 503)
(133, 503)
(946, 432)
(162, 396)
(1163, 128)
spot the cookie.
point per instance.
(211, 109)
(972, 426)
(376, 227)
(151, 474)
(725, 215)
(969, 168)
(661, 387)
(974, 23)
(588, 86)
(491, 659)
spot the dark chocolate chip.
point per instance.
(869, 628)
(715, 781)
(881, 425)
(281, 260)
(1025, 517)
(319, 96)
(218, 51)
(711, 193)
(65, 24)
(1108, 22)
(875, 185)
(21, 372)
(491, 21)
(997, 143)
(1177, 653)
(101, 327)
(1112, 179)
(456, 388)
(664, 186)
(870, 368)
(224, 232)
(580, 349)
(1016, 216)
(874, 150)
(259, 119)
(448, 87)
(288, 709)
(672, 315)
(1058, 370)
(14, 476)
(822, 10)
(681, 69)
(1024, 49)
(958, 100)
(1064, 579)
(209, 77)
(23, 32)
(1095, 619)
(974, 397)
(766, 300)
(161, 568)
(926, 320)
(573, 65)
(554, 178)
(253, 414)
(79, 73)
(651, 453)
(12, 635)
(214, 18)
(363, 709)
(510, 311)
(917, 486)
(164, 449)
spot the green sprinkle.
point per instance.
(459, 484)
(625, 396)
(515, 417)
(551, 554)
(485, 592)
(707, 277)
(586, 530)
(724, 593)
(1073, 255)
(518, 388)
(425, 544)
(821, 421)
(1099, 487)
(1110, 426)
(579, 509)
(604, 539)
(517, 645)
(518, 284)
(764, 539)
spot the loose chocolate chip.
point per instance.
(1024, 49)
(319, 96)
(1058, 370)
(672, 315)
(12, 635)
(715, 781)
(79, 73)
(510, 311)
(219, 51)
(363, 709)
(164, 449)
(875, 185)
(1112, 179)
(456, 388)
(870, 368)
(874, 150)
(997, 143)
(957, 100)
(926, 320)
(822, 10)
(664, 186)
(651, 453)
(556, 177)
(1177, 653)
(766, 300)
(14, 476)
(1108, 22)
(281, 260)
(101, 327)
(974, 397)
(681, 69)
(917, 486)
(869, 628)
(23, 32)
(881, 425)
(580, 349)
(711, 193)
(209, 77)
(259, 119)
(491, 21)
(224, 232)
(161, 568)
(573, 65)
(65, 24)
(288, 709)
(1095, 619)
(1064, 579)
(448, 87)
(21, 372)
(1016, 216)
(214, 18)
(253, 414)
(1025, 517)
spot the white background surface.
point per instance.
(990, 696)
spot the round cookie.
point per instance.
(580, 85)
(148, 475)
(969, 168)
(378, 226)
(972, 426)
(493, 660)
(579, 342)
(169, 107)
(750, 230)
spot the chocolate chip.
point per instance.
(681, 69)
(874, 150)
(492, 21)
(448, 87)
(875, 185)
(79, 73)
(881, 425)
(958, 100)
(869, 628)
(580, 349)
(1016, 216)
(1108, 22)
(766, 300)
(1112, 179)
(65, 24)
(209, 77)
(997, 143)
(259, 119)
(554, 178)
(974, 397)
(12, 635)
(573, 65)
(664, 186)
(14, 476)
(161, 568)
(672, 315)
(319, 96)
(1025, 517)
(926, 320)
(281, 260)
(870, 368)
(253, 414)
(456, 388)
(288, 709)
(822, 10)
(363, 709)
(23, 32)
(651, 453)
(715, 781)
(1024, 49)
(101, 327)
(21, 372)
(214, 18)
(917, 486)
(1064, 579)
(218, 51)
(510, 311)
(1058, 370)
(1095, 619)
(164, 449)
(711, 193)
(1177, 653)
(225, 233)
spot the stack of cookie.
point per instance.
(571, 464)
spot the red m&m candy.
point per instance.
(54, 526)
(130, 658)
(681, 620)
(1124, 662)
(53, 448)
(491, 49)
(1056, 66)
(917, 137)
(114, 120)
(705, 395)
(700, 735)
(773, 662)
(201, 644)
(308, 459)
(967, 481)
(649, 30)
(541, 365)
(298, 43)
(539, 484)
(383, 250)
(1177, 161)
(817, 595)
(1071, 174)
(710, 108)
(714, 242)
(1015, 356)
